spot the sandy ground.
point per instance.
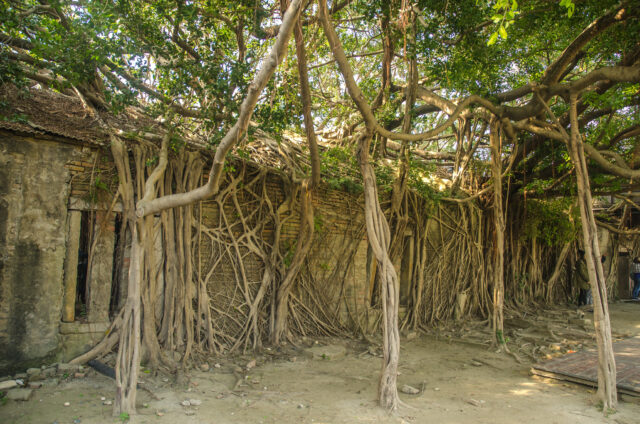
(335, 381)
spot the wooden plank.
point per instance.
(581, 367)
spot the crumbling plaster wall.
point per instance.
(33, 211)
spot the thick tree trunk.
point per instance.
(379, 239)
(128, 359)
(607, 392)
(305, 231)
(499, 226)
(305, 238)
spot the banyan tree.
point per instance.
(510, 119)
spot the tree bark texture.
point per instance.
(379, 240)
(607, 392)
(499, 227)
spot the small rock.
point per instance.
(216, 365)
(103, 398)
(160, 414)
(185, 403)
(190, 412)
(476, 363)
(79, 375)
(300, 406)
(293, 359)
(33, 371)
(19, 381)
(37, 377)
(251, 364)
(19, 394)
(68, 368)
(49, 372)
(409, 390)
(556, 346)
(9, 384)
(204, 367)
(107, 402)
(475, 402)
(34, 385)
(67, 404)
(437, 389)
(195, 402)
(21, 376)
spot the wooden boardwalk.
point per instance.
(581, 367)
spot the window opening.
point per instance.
(86, 224)
(118, 261)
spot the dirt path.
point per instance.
(336, 383)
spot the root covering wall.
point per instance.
(241, 245)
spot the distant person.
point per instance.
(635, 275)
(584, 298)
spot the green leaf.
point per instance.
(503, 32)
(492, 39)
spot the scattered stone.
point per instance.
(195, 402)
(251, 364)
(34, 385)
(107, 402)
(9, 384)
(103, 398)
(37, 377)
(79, 375)
(185, 403)
(49, 372)
(19, 394)
(217, 365)
(190, 412)
(204, 367)
(475, 363)
(409, 390)
(160, 414)
(437, 389)
(475, 402)
(67, 404)
(33, 372)
(69, 368)
(300, 406)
